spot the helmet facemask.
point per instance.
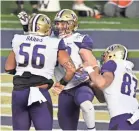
(63, 28)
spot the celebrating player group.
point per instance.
(44, 51)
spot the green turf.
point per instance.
(132, 54)
(137, 75)
(124, 23)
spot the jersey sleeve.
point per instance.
(109, 66)
(13, 41)
(62, 45)
(87, 43)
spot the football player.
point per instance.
(76, 94)
(119, 84)
(33, 60)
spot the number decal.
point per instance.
(34, 57)
(25, 54)
(38, 55)
(127, 85)
(136, 82)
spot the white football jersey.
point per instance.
(36, 54)
(120, 95)
(74, 43)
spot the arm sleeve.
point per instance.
(87, 43)
(25, 28)
(62, 45)
(13, 41)
(109, 66)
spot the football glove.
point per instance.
(23, 17)
(81, 76)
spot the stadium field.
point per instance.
(6, 89)
(10, 22)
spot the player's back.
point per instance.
(35, 54)
(120, 95)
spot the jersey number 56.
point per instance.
(35, 55)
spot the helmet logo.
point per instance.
(45, 20)
(74, 17)
(37, 28)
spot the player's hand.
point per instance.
(23, 17)
(57, 88)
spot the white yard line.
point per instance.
(6, 84)
(100, 22)
(5, 94)
(108, 29)
(9, 22)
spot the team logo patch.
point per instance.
(37, 28)
(45, 20)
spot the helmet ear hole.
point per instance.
(110, 57)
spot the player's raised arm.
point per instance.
(10, 64)
(24, 19)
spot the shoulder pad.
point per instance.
(84, 41)
(14, 39)
(78, 37)
(109, 66)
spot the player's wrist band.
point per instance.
(12, 72)
(25, 28)
(95, 66)
(89, 69)
(63, 82)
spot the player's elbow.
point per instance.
(10, 63)
(10, 69)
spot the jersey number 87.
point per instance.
(127, 85)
